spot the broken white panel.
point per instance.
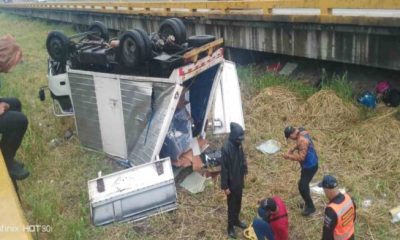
(111, 119)
(133, 194)
(228, 101)
(195, 147)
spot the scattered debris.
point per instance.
(269, 147)
(68, 134)
(274, 68)
(366, 203)
(55, 142)
(194, 183)
(249, 233)
(395, 213)
(288, 69)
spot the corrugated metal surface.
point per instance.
(147, 109)
(150, 140)
(86, 112)
(136, 101)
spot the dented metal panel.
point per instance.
(133, 194)
(124, 116)
(152, 136)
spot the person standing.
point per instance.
(340, 213)
(304, 153)
(274, 222)
(233, 171)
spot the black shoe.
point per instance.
(308, 211)
(231, 233)
(18, 173)
(241, 224)
(18, 164)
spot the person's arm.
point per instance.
(330, 222)
(302, 146)
(245, 168)
(224, 172)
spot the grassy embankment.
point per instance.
(56, 192)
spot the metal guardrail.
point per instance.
(322, 10)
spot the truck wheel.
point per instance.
(182, 27)
(199, 40)
(100, 29)
(170, 27)
(147, 44)
(131, 48)
(57, 45)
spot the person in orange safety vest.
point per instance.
(340, 213)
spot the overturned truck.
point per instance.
(151, 113)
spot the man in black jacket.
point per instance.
(233, 170)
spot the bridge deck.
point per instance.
(360, 12)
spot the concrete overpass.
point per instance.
(364, 32)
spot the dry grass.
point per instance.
(363, 154)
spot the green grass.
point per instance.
(55, 194)
(257, 79)
(339, 84)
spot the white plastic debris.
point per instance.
(395, 213)
(367, 203)
(269, 147)
(194, 183)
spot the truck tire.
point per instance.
(57, 45)
(147, 44)
(101, 29)
(131, 50)
(170, 27)
(199, 40)
(182, 27)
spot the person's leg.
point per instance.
(262, 213)
(304, 187)
(238, 207)
(15, 104)
(231, 215)
(262, 229)
(13, 126)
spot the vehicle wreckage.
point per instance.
(145, 100)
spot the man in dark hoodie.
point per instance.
(233, 170)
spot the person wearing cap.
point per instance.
(274, 222)
(340, 213)
(304, 153)
(233, 170)
(13, 123)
